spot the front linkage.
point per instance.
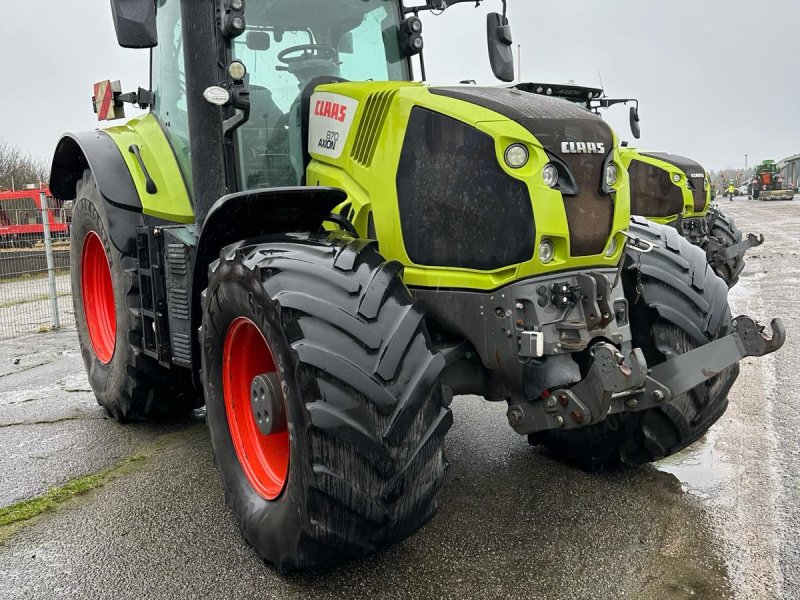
(716, 234)
(616, 383)
(619, 381)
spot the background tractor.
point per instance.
(669, 189)
(676, 191)
(326, 252)
(768, 183)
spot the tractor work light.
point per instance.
(237, 70)
(411, 42)
(516, 156)
(216, 95)
(676, 178)
(550, 175)
(547, 251)
(611, 174)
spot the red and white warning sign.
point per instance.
(103, 99)
(330, 120)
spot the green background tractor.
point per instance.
(676, 191)
(325, 253)
(769, 184)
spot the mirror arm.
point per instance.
(240, 99)
(443, 5)
(608, 102)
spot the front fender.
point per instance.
(251, 214)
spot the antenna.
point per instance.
(602, 87)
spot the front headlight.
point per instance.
(612, 173)
(547, 251)
(612, 248)
(516, 156)
(676, 178)
(550, 175)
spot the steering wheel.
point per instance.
(309, 51)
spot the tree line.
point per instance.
(18, 168)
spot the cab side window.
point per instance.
(169, 84)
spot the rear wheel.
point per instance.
(684, 305)
(323, 397)
(724, 233)
(129, 385)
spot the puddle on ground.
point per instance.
(700, 468)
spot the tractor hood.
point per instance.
(436, 186)
(558, 124)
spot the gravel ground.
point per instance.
(720, 520)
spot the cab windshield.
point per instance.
(289, 43)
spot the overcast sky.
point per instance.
(717, 79)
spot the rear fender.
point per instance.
(96, 151)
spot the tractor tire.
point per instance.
(356, 461)
(127, 384)
(684, 305)
(725, 231)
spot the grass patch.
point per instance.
(29, 276)
(19, 515)
(15, 516)
(28, 509)
(38, 298)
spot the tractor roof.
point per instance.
(571, 92)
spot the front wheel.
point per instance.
(683, 305)
(723, 234)
(323, 397)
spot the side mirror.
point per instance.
(135, 23)
(501, 55)
(635, 129)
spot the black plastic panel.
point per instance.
(652, 192)
(554, 121)
(692, 169)
(458, 208)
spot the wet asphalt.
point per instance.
(720, 520)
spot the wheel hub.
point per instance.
(266, 403)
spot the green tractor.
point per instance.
(325, 253)
(676, 191)
(669, 189)
(768, 183)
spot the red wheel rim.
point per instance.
(98, 298)
(264, 458)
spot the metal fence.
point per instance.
(35, 290)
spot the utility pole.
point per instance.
(745, 165)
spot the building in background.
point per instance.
(790, 169)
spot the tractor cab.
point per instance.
(288, 48)
(276, 52)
